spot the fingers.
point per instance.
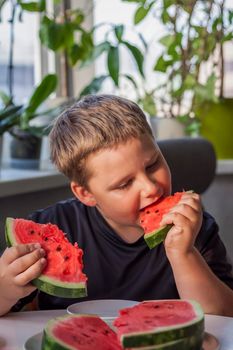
(175, 218)
(24, 278)
(189, 208)
(13, 253)
(193, 200)
(24, 262)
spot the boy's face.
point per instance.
(125, 179)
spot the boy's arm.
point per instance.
(18, 266)
(194, 278)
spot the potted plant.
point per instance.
(17, 120)
(191, 65)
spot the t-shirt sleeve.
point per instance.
(213, 250)
(26, 303)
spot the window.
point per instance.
(25, 52)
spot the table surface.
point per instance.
(16, 328)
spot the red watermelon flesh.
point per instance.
(64, 260)
(151, 216)
(81, 332)
(159, 321)
(151, 314)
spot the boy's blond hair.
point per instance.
(93, 123)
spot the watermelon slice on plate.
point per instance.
(81, 332)
(62, 275)
(158, 322)
(151, 216)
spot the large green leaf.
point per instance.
(75, 54)
(114, 64)
(138, 56)
(33, 6)
(119, 30)
(141, 13)
(8, 122)
(40, 94)
(227, 37)
(78, 16)
(161, 65)
(52, 34)
(6, 99)
(167, 40)
(11, 110)
(94, 86)
(96, 52)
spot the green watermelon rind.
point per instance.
(45, 283)
(157, 236)
(55, 287)
(162, 335)
(190, 343)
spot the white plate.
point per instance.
(107, 309)
(34, 343)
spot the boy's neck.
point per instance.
(129, 234)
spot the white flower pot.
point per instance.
(166, 128)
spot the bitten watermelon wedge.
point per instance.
(79, 332)
(62, 275)
(160, 322)
(151, 216)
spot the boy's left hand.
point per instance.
(186, 218)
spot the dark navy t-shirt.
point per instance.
(120, 270)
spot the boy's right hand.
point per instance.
(18, 266)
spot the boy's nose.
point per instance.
(150, 188)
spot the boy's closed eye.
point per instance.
(152, 167)
(125, 185)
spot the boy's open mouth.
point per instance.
(155, 201)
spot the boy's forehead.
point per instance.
(121, 154)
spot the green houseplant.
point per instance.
(17, 120)
(191, 65)
(63, 31)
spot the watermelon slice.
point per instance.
(158, 322)
(62, 275)
(151, 216)
(79, 332)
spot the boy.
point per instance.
(105, 147)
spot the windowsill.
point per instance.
(17, 181)
(224, 167)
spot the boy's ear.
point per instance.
(82, 194)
